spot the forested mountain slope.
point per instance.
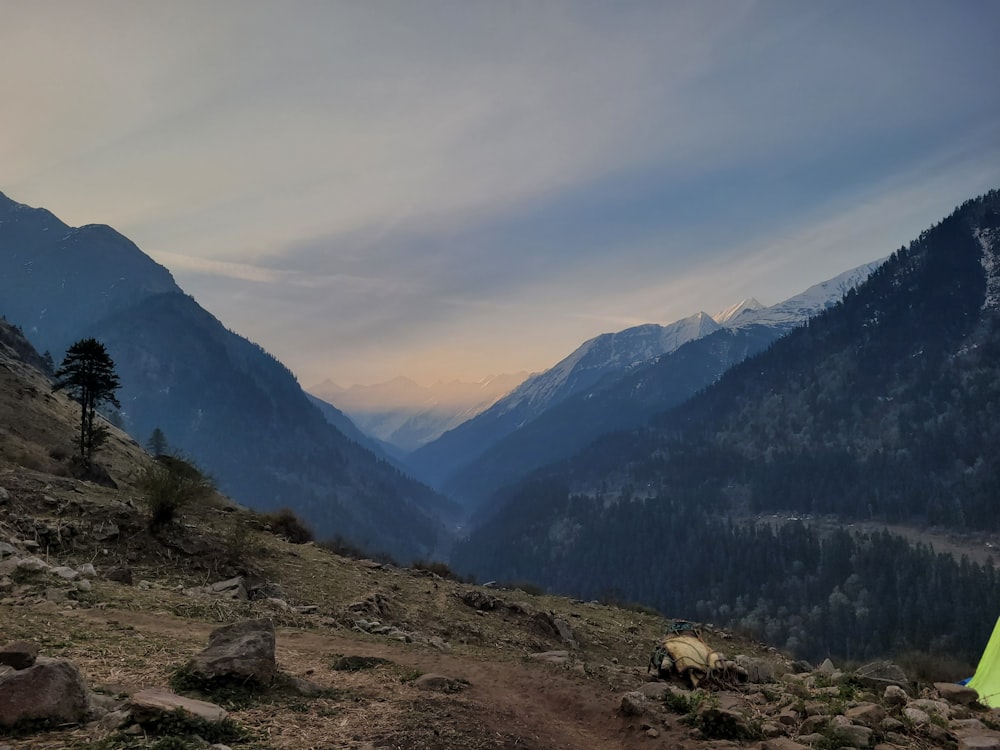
(218, 398)
(885, 407)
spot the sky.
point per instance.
(450, 189)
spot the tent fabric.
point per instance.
(986, 681)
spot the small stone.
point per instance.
(66, 572)
(87, 570)
(84, 585)
(307, 609)
(6, 550)
(633, 704)
(652, 733)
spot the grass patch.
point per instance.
(180, 726)
(358, 663)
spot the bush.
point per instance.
(338, 545)
(532, 589)
(286, 523)
(169, 484)
(442, 569)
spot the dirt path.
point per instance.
(507, 704)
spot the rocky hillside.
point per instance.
(108, 622)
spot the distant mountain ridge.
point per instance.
(884, 407)
(611, 382)
(220, 399)
(406, 415)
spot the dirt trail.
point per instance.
(507, 704)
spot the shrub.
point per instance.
(532, 589)
(286, 523)
(926, 668)
(338, 545)
(441, 569)
(169, 484)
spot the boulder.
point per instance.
(852, 735)
(959, 694)
(633, 704)
(149, 705)
(32, 564)
(895, 696)
(552, 657)
(120, 574)
(66, 572)
(480, 600)
(242, 651)
(49, 690)
(881, 674)
(932, 707)
(232, 588)
(19, 654)
(758, 670)
(866, 714)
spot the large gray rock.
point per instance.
(881, 674)
(242, 651)
(49, 690)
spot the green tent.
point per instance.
(986, 681)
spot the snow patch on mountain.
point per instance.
(740, 308)
(798, 309)
(609, 352)
(991, 266)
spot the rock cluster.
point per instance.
(870, 707)
(36, 690)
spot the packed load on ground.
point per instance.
(683, 655)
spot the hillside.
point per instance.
(884, 408)
(448, 665)
(218, 398)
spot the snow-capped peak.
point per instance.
(731, 313)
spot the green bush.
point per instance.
(170, 484)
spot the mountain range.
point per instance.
(611, 382)
(883, 409)
(218, 398)
(403, 415)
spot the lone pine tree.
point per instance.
(88, 374)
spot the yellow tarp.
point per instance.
(986, 681)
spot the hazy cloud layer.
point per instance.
(456, 188)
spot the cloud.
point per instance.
(366, 186)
